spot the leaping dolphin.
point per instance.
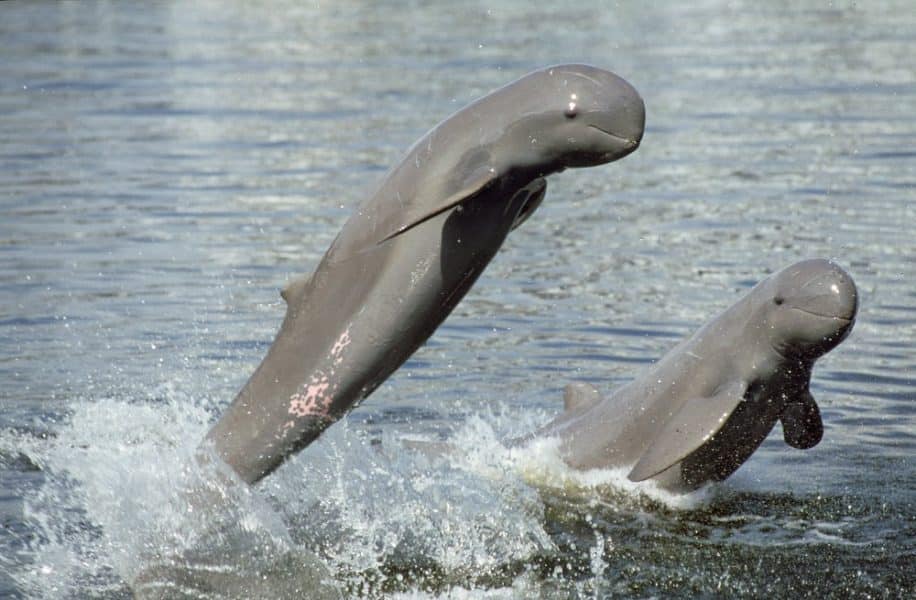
(413, 249)
(703, 409)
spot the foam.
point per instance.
(130, 500)
(539, 463)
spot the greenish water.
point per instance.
(165, 168)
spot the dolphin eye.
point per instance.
(571, 110)
(778, 300)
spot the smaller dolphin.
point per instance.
(697, 414)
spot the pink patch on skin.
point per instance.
(285, 429)
(313, 401)
(342, 342)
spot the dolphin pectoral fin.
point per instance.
(473, 186)
(535, 192)
(580, 395)
(294, 290)
(802, 426)
(690, 427)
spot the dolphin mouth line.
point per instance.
(823, 316)
(625, 140)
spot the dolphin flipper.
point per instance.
(802, 426)
(535, 192)
(479, 179)
(690, 427)
(580, 395)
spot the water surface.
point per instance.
(166, 168)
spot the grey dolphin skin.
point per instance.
(413, 249)
(698, 413)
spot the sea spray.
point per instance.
(127, 504)
(121, 507)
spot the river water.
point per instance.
(166, 167)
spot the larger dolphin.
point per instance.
(413, 249)
(701, 411)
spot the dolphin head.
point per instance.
(811, 307)
(574, 116)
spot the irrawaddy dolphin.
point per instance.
(698, 413)
(413, 249)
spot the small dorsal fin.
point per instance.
(802, 426)
(580, 395)
(294, 290)
(694, 423)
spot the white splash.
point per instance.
(540, 464)
(128, 503)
